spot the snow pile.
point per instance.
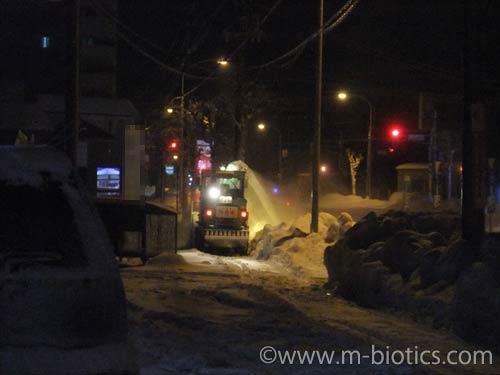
(24, 165)
(347, 202)
(416, 262)
(291, 246)
(325, 222)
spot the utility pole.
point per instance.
(72, 120)
(474, 142)
(433, 162)
(316, 151)
(238, 116)
(280, 157)
(183, 151)
(451, 154)
(369, 154)
(420, 111)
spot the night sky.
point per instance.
(386, 50)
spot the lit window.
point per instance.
(45, 42)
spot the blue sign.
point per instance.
(169, 169)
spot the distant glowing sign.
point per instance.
(45, 42)
(169, 169)
(108, 181)
(204, 162)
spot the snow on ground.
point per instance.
(195, 313)
(244, 264)
(357, 206)
(346, 202)
(302, 256)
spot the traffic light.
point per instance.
(395, 133)
(173, 145)
(395, 137)
(172, 152)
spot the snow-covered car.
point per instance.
(62, 303)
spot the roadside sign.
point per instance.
(416, 137)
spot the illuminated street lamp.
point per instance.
(323, 168)
(170, 110)
(262, 127)
(343, 96)
(222, 62)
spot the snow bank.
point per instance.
(290, 245)
(325, 222)
(415, 263)
(347, 202)
(23, 165)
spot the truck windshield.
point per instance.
(232, 186)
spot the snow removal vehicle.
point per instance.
(223, 217)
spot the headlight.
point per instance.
(214, 192)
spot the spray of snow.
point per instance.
(260, 206)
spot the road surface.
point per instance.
(195, 313)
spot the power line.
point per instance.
(111, 16)
(264, 19)
(294, 53)
(159, 62)
(330, 24)
(342, 15)
(146, 54)
(209, 22)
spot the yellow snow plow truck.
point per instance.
(223, 217)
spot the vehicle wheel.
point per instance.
(199, 241)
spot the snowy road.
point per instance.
(195, 313)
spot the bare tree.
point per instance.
(354, 161)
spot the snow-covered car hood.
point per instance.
(60, 285)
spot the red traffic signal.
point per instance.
(395, 132)
(173, 144)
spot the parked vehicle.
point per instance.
(62, 303)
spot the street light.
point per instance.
(343, 96)
(222, 62)
(262, 127)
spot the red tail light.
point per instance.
(209, 213)
(244, 214)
